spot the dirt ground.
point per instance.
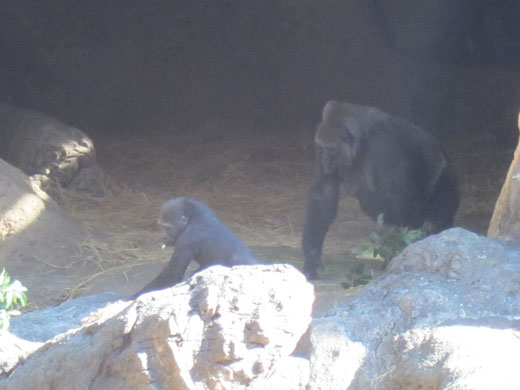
(256, 181)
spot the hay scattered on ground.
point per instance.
(122, 227)
(256, 184)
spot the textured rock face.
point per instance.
(505, 222)
(14, 349)
(446, 316)
(54, 153)
(38, 239)
(222, 329)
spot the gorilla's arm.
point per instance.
(322, 206)
(172, 273)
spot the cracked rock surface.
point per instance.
(222, 329)
(445, 316)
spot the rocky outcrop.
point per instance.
(38, 239)
(505, 223)
(54, 154)
(222, 329)
(446, 316)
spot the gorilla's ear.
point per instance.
(190, 209)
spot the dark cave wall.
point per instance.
(117, 65)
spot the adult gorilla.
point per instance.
(390, 165)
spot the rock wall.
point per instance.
(505, 222)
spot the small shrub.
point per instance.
(386, 242)
(12, 297)
(359, 275)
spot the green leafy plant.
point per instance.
(387, 241)
(12, 297)
(359, 275)
(384, 243)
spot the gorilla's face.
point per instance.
(336, 145)
(173, 221)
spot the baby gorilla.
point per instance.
(197, 234)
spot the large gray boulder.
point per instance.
(222, 329)
(29, 332)
(446, 316)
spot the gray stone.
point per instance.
(43, 325)
(225, 328)
(446, 316)
(13, 350)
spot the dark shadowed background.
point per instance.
(142, 65)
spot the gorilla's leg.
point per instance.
(405, 200)
(406, 209)
(396, 181)
(322, 206)
(444, 201)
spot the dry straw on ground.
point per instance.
(123, 232)
(255, 187)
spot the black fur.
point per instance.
(197, 234)
(390, 165)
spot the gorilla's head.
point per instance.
(337, 138)
(341, 132)
(173, 219)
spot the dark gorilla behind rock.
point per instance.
(389, 165)
(197, 234)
